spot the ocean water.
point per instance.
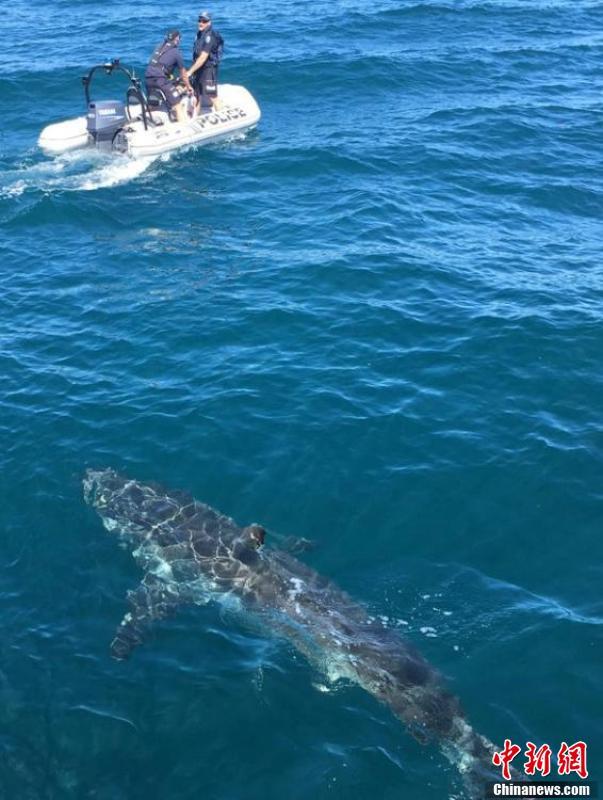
(375, 322)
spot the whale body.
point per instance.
(192, 554)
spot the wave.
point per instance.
(528, 601)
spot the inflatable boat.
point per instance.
(143, 125)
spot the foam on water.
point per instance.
(78, 171)
(121, 171)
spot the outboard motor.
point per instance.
(105, 118)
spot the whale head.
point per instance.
(125, 506)
(147, 512)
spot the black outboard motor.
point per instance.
(104, 119)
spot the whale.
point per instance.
(191, 554)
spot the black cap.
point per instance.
(205, 16)
(171, 35)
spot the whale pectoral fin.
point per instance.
(298, 544)
(153, 599)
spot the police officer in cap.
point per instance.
(207, 53)
(159, 73)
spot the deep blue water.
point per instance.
(375, 322)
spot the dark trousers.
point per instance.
(172, 95)
(206, 84)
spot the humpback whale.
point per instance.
(190, 553)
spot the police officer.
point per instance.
(158, 75)
(207, 53)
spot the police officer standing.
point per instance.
(207, 53)
(158, 75)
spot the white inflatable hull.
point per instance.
(239, 112)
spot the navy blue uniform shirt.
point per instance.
(207, 41)
(170, 57)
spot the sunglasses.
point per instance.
(202, 19)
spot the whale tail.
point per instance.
(471, 753)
